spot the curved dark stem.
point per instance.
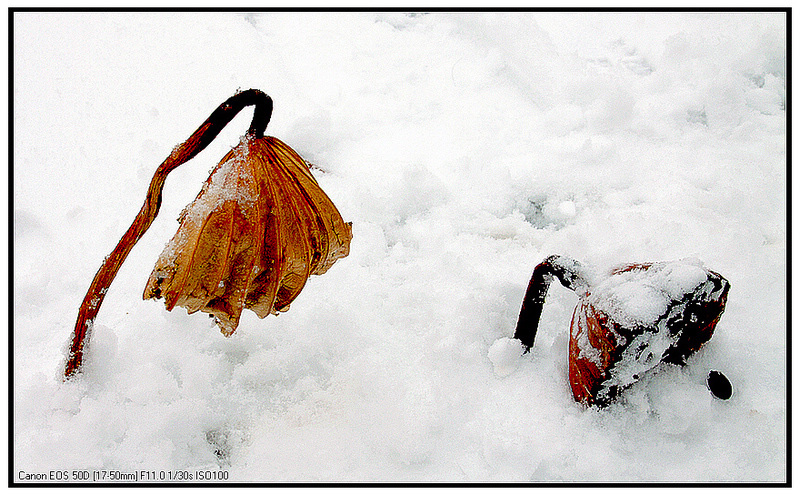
(571, 275)
(181, 154)
(219, 118)
(262, 112)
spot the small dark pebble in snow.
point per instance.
(719, 385)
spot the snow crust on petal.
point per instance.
(640, 297)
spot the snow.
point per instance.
(465, 148)
(505, 355)
(219, 189)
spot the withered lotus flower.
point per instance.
(629, 321)
(260, 226)
(258, 229)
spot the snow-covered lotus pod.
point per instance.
(259, 228)
(629, 321)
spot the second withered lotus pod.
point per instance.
(258, 229)
(629, 321)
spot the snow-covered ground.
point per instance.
(465, 148)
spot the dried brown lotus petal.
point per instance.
(259, 228)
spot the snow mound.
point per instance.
(505, 355)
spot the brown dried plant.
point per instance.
(258, 229)
(260, 226)
(610, 348)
